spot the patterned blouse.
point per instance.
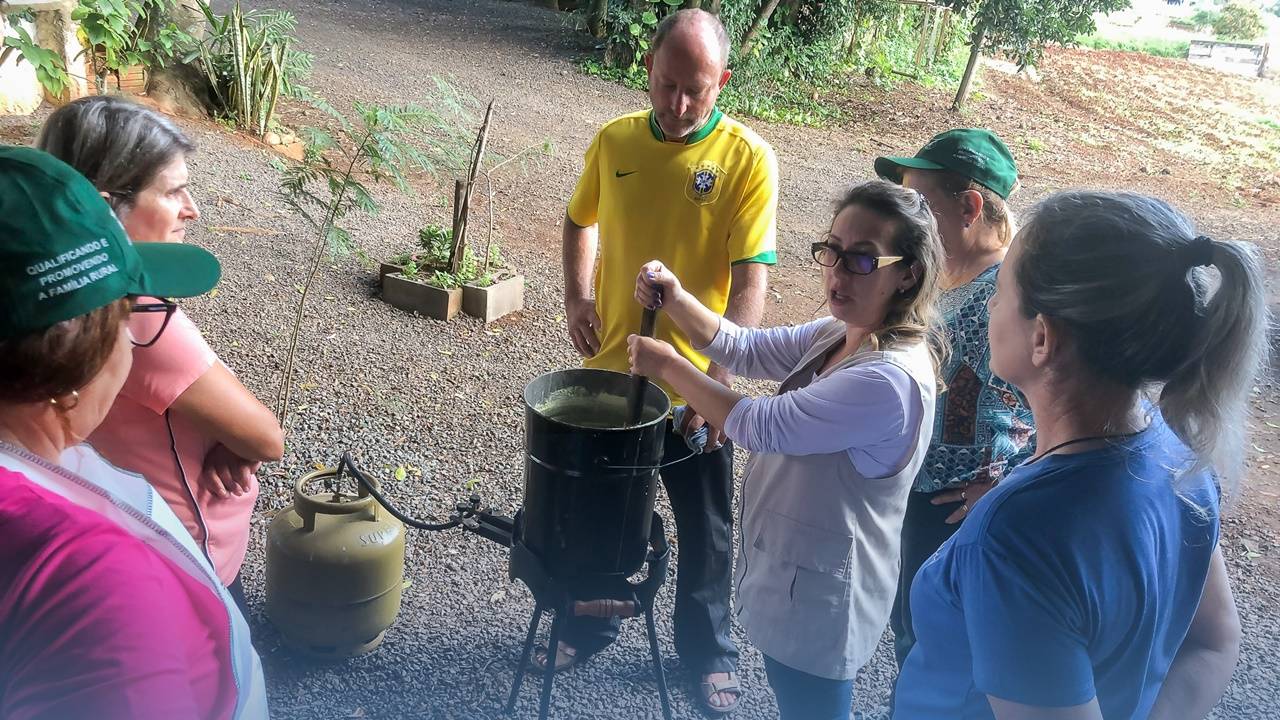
(982, 427)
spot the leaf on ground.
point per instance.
(318, 466)
(497, 596)
(401, 474)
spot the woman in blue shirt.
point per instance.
(1090, 583)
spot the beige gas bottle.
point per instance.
(335, 569)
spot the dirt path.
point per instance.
(443, 399)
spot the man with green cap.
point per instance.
(982, 426)
(109, 609)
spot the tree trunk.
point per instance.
(975, 51)
(180, 89)
(553, 4)
(596, 18)
(762, 19)
(712, 6)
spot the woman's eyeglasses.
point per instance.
(828, 255)
(164, 306)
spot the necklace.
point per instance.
(1059, 446)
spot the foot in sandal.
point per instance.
(566, 658)
(720, 692)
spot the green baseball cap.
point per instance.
(63, 253)
(972, 152)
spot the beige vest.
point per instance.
(818, 551)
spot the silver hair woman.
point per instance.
(121, 146)
(1090, 583)
(182, 420)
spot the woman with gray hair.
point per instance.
(1090, 583)
(182, 420)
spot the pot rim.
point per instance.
(628, 428)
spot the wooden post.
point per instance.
(462, 195)
(923, 42)
(459, 227)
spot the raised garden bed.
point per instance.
(489, 302)
(415, 295)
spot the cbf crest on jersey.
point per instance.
(705, 179)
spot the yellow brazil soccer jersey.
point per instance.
(699, 206)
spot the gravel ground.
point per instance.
(443, 399)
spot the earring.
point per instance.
(73, 396)
(966, 225)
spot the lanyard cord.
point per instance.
(1059, 446)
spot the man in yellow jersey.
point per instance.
(683, 184)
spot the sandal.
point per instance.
(708, 688)
(538, 661)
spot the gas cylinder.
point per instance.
(335, 570)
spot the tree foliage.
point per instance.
(382, 145)
(1021, 29)
(1239, 21)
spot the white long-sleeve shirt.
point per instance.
(871, 410)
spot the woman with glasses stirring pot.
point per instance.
(834, 452)
(182, 419)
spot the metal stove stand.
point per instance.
(607, 596)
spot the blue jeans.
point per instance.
(802, 696)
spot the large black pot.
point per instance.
(589, 491)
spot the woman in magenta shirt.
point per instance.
(107, 608)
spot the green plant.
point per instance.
(383, 145)
(1203, 18)
(123, 33)
(248, 60)
(1159, 47)
(445, 280)
(1239, 21)
(628, 27)
(437, 243)
(50, 72)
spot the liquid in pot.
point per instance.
(578, 407)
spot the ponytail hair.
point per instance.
(1205, 400)
(1128, 277)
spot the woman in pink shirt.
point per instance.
(107, 608)
(182, 419)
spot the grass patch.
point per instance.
(1159, 47)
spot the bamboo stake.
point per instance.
(463, 208)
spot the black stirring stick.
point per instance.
(640, 383)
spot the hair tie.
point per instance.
(1198, 252)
